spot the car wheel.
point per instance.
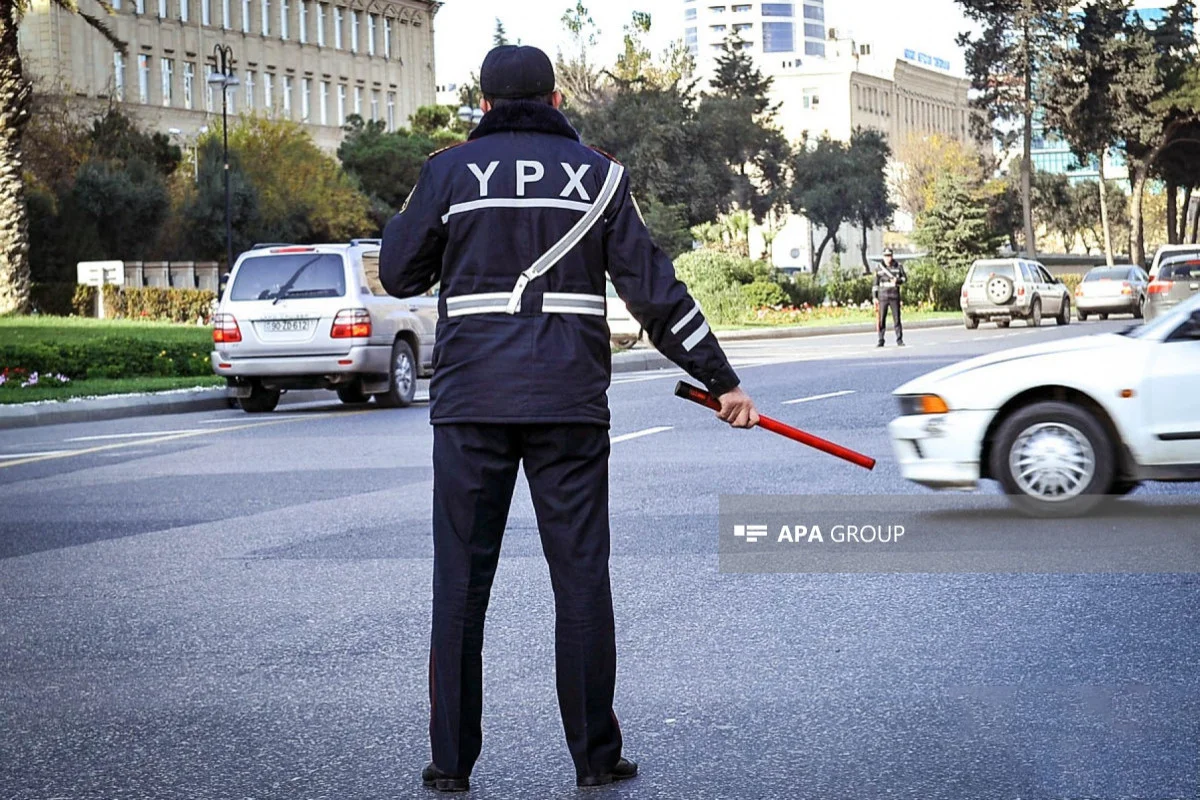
(352, 394)
(624, 342)
(402, 378)
(1003, 323)
(971, 322)
(1081, 316)
(1104, 316)
(261, 400)
(1034, 320)
(1139, 310)
(1055, 459)
(1064, 313)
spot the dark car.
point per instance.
(1178, 279)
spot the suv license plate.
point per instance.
(285, 325)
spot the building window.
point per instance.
(250, 90)
(815, 12)
(358, 94)
(302, 34)
(742, 26)
(287, 96)
(811, 99)
(116, 4)
(209, 97)
(691, 37)
(226, 14)
(139, 6)
(371, 25)
(374, 105)
(283, 19)
(183, 10)
(814, 30)
(162, 9)
(387, 38)
(689, 14)
(716, 9)
(779, 37)
(341, 104)
(305, 98)
(814, 49)
(337, 28)
(320, 24)
(143, 79)
(246, 15)
(189, 85)
(741, 9)
(206, 12)
(778, 10)
(323, 109)
(391, 111)
(118, 75)
(717, 28)
(266, 17)
(229, 96)
(353, 31)
(268, 90)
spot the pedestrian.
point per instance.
(889, 277)
(519, 225)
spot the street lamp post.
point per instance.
(223, 76)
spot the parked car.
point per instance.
(1178, 279)
(1112, 290)
(1169, 250)
(1061, 424)
(317, 317)
(1005, 289)
(623, 329)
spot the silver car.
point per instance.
(1112, 290)
(1178, 279)
(317, 317)
(1004, 289)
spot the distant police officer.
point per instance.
(519, 226)
(889, 277)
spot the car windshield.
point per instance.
(1107, 274)
(1168, 322)
(262, 277)
(1180, 272)
(985, 271)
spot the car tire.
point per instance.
(971, 322)
(402, 378)
(1003, 323)
(1064, 313)
(1034, 320)
(261, 400)
(624, 342)
(1057, 431)
(1104, 316)
(1081, 316)
(1139, 311)
(352, 394)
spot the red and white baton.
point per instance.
(697, 395)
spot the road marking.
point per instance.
(142, 442)
(818, 397)
(5, 456)
(132, 435)
(638, 434)
(229, 419)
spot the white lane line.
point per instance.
(818, 397)
(148, 434)
(638, 434)
(229, 419)
(4, 456)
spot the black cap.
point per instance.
(514, 71)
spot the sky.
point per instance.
(464, 27)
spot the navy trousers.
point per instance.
(890, 301)
(474, 472)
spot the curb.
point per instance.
(99, 409)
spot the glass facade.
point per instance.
(779, 37)
(778, 10)
(814, 49)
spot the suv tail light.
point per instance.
(1159, 287)
(225, 329)
(966, 293)
(1021, 291)
(351, 323)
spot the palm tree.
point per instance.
(15, 101)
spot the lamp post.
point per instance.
(223, 76)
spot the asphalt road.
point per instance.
(230, 606)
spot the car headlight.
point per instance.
(913, 404)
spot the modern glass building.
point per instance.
(779, 35)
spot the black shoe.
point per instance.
(623, 771)
(879, 345)
(434, 778)
(899, 344)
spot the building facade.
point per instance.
(778, 35)
(312, 62)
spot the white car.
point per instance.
(1168, 250)
(623, 329)
(1061, 424)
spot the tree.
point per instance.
(922, 159)
(126, 203)
(500, 37)
(202, 210)
(578, 78)
(821, 189)
(869, 153)
(15, 100)
(737, 76)
(386, 165)
(955, 230)
(1005, 64)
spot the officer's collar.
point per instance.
(525, 115)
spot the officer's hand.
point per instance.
(738, 409)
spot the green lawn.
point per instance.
(848, 318)
(46, 329)
(102, 386)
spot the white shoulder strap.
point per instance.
(573, 237)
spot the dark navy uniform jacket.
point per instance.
(485, 211)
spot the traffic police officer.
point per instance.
(519, 225)
(889, 277)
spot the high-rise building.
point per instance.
(778, 35)
(278, 47)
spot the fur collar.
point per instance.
(525, 115)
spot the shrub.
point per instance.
(153, 303)
(849, 289)
(83, 302)
(762, 294)
(804, 290)
(1071, 281)
(932, 286)
(113, 356)
(53, 298)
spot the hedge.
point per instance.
(109, 357)
(158, 304)
(56, 299)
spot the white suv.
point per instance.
(317, 317)
(1004, 289)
